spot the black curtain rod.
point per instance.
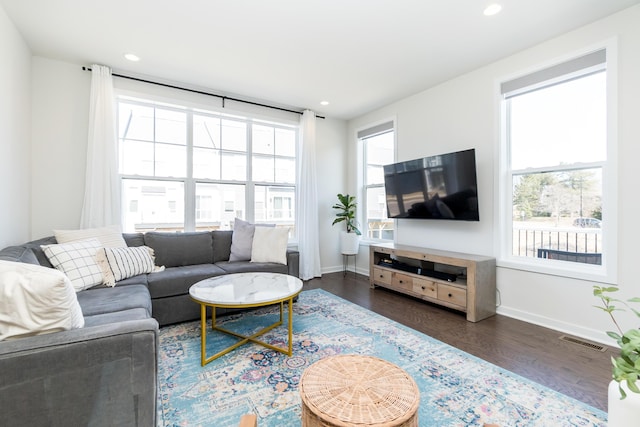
(223, 97)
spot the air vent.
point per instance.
(584, 343)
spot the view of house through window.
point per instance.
(378, 148)
(186, 170)
(557, 142)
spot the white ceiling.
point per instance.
(357, 54)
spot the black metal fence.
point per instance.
(568, 244)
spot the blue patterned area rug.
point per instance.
(456, 389)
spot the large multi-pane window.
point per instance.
(556, 156)
(187, 169)
(378, 150)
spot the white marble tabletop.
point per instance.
(245, 288)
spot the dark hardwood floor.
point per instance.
(528, 350)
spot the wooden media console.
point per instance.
(464, 282)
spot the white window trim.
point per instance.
(191, 105)
(607, 272)
(360, 170)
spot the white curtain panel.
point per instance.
(102, 188)
(307, 212)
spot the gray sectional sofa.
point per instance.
(106, 373)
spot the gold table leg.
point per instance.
(203, 333)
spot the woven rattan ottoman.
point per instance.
(350, 390)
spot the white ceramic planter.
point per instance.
(349, 243)
(623, 413)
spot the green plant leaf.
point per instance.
(614, 335)
(347, 212)
(623, 395)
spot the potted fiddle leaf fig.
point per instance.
(346, 212)
(626, 367)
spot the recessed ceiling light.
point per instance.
(324, 102)
(132, 57)
(492, 9)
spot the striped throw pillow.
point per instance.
(121, 263)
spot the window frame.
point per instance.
(189, 181)
(368, 131)
(607, 272)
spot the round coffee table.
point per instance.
(350, 390)
(244, 290)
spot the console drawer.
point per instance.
(453, 295)
(402, 281)
(382, 276)
(425, 287)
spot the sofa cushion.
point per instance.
(121, 263)
(19, 254)
(109, 237)
(36, 247)
(179, 249)
(111, 300)
(36, 300)
(133, 239)
(135, 280)
(177, 280)
(250, 267)
(176, 309)
(116, 317)
(78, 261)
(221, 245)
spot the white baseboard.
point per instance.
(338, 269)
(561, 327)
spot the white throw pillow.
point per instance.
(109, 237)
(36, 300)
(78, 261)
(270, 245)
(120, 263)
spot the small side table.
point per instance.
(345, 264)
(358, 390)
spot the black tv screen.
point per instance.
(434, 187)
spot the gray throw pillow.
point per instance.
(241, 240)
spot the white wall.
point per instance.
(331, 163)
(59, 129)
(15, 109)
(462, 113)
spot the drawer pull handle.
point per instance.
(450, 295)
(400, 281)
(423, 288)
(381, 275)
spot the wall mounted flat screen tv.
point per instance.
(435, 187)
